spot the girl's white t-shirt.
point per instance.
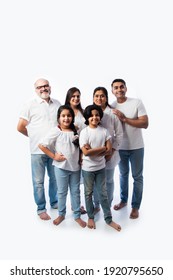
(95, 137)
(62, 142)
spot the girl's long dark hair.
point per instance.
(72, 126)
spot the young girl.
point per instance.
(95, 144)
(66, 162)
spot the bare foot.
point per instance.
(134, 213)
(120, 205)
(44, 216)
(115, 226)
(81, 222)
(91, 224)
(58, 220)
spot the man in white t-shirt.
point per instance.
(132, 113)
(36, 118)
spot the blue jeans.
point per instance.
(97, 179)
(135, 159)
(109, 187)
(71, 179)
(39, 164)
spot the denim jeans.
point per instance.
(71, 179)
(135, 159)
(96, 179)
(109, 187)
(39, 164)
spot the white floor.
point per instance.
(25, 236)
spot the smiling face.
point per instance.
(119, 90)
(43, 89)
(75, 99)
(94, 120)
(100, 99)
(65, 119)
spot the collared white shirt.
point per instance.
(41, 117)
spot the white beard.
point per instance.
(45, 95)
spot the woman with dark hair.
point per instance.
(112, 123)
(73, 100)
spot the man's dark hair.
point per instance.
(118, 81)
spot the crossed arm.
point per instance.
(99, 151)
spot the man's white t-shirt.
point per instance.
(132, 136)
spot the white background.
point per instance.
(86, 44)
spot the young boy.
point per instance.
(95, 144)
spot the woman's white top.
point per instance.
(112, 123)
(79, 121)
(62, 142)
(95, 137)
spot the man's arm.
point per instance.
(140, 122)
(21, 127)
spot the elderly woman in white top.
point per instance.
(114, 126)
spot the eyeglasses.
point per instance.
(44, 86)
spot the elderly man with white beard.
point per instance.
(36, 118)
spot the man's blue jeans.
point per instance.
(96, 179)
(39, 164)
(133, 158)
(71, 179)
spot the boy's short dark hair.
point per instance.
(89, 109)
(118, 81)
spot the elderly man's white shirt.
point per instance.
(41, 117)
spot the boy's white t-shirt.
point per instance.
(132, 136)
(62, 142)
(95, 137)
